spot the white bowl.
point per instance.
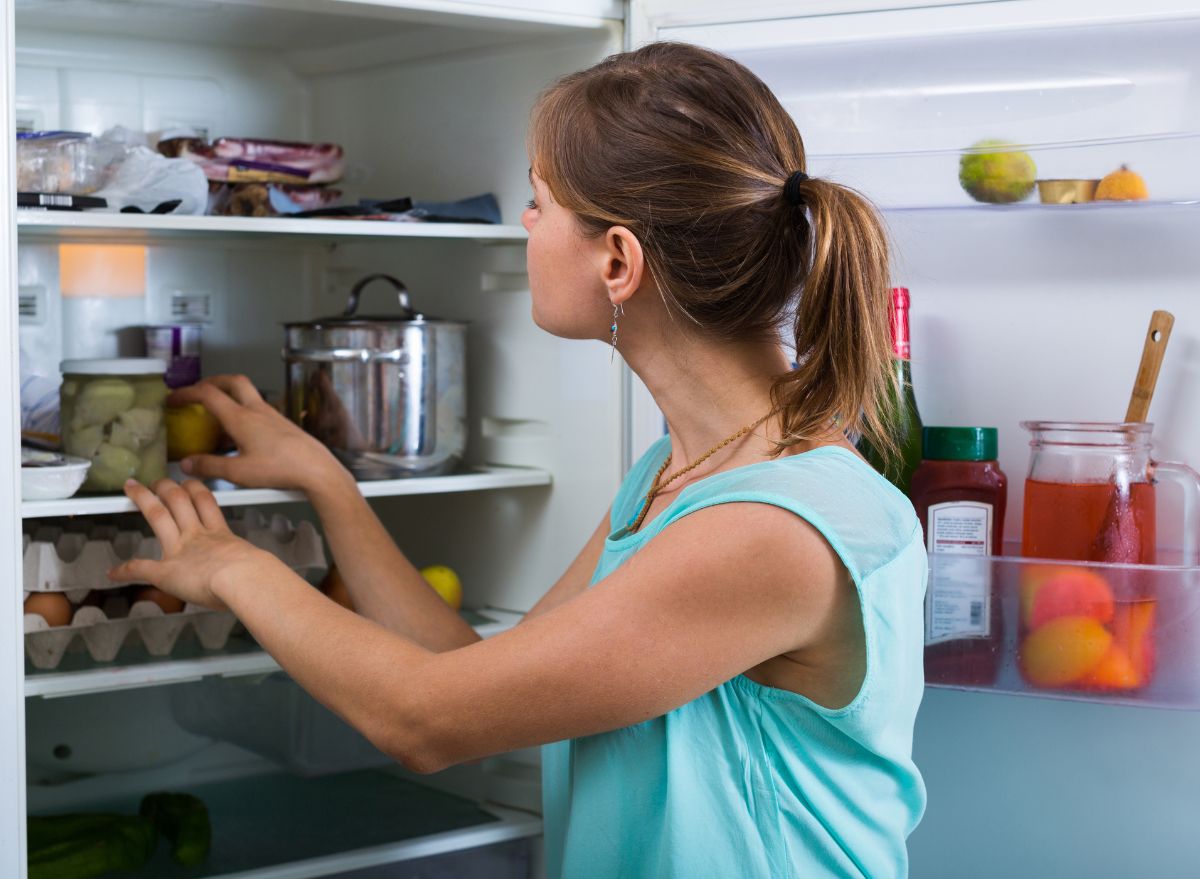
(49, 476)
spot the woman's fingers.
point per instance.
(160, 519)
(137, 571)
(210, 513)
(209, 467)
(179, 503)
(237, 386)
(220, 404)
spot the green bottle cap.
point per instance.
(960, 443)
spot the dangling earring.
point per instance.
(617, 310)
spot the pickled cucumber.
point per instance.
(112, 466)
(153, 461)
(149, 393)
(84, 442)
(144, 424)
(101, 401)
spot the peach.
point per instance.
(1071, 592)
(1064, 650)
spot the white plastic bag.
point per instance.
(146, 180)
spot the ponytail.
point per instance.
(843, 342)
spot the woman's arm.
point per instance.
(713, 595)
(276, 453)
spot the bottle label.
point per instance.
(959, 601)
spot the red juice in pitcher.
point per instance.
(1091, 521)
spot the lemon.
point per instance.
(445, 583)
(191, 430)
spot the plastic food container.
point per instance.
(112, 415)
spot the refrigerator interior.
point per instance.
(431, 105)
(1026, 312)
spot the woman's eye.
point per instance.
(531, 204)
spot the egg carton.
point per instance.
(76, 562)
(102, 630)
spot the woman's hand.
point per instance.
(197, 545)
(273, 452)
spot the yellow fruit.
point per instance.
(191, 430)
(1063, 651)
(1122, 185)
(445, 582)
(997, 172)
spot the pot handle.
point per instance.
(356, 292)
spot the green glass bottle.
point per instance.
(906, 425)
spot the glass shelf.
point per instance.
(1121, 634)
(276, 826)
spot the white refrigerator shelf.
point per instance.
(484, 478)
(241, 656)
(34, 223)
(280, 826)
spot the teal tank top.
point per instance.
(747, 780)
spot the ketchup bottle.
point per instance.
(960, 494)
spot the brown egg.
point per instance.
(53, 607)
(335, 587)
(169, 603)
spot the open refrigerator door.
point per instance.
(1027, 303)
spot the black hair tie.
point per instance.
(791, 189)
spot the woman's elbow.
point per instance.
(415, 747)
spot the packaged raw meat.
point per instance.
(247, 160)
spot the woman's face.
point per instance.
(570, 299)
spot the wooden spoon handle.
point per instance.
(1152, 355)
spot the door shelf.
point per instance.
(39, 224)
(1119, 634)
(483, 479)
(134, 668)
(928, 178)
(280, 826)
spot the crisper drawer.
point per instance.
(1126, 634)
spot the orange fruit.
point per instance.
(1122, 185)
(1114, 672)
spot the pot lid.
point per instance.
(351, 318)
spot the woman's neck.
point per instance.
(708, 391)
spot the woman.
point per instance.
(735, 695)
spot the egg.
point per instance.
(169, 603)
(53, 607)
(335, 587)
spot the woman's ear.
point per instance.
(622, 264)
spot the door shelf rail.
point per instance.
(1111, 633)
(241, 657)
(481, 479)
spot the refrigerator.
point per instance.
(1021, 311)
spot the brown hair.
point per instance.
(691, 151)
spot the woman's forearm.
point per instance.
(383, 583)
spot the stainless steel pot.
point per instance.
(386, 394)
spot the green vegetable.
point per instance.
(183, 820)
(82, 846)
(44, 831)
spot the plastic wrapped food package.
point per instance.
(112, 415)
(67, 162)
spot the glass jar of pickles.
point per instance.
(112, 415)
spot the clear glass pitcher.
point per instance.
(1089, 494)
